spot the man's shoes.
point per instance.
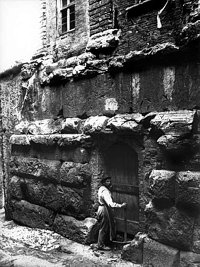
(104, 248)
(96, 247)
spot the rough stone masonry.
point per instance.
(116, 78)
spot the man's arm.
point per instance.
(108, 199)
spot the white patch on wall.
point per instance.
(111, 104)
(44, 102)
(168, 82)
(135, 87)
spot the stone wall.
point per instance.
(56, 166)
(134, 83)
(171, 85)
(10, 114)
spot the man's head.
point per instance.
(106, 181)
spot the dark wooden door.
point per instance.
(121, 163)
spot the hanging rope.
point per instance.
(159, 24)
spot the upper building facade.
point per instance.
(69, 24)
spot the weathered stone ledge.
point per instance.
(176, 131)
(174, 122)
(87, 63)
(52, 139)
(179, 122)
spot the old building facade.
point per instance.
(115, 90)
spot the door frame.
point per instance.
(135, 143)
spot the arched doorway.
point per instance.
(121, 163)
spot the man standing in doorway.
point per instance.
(105, 214)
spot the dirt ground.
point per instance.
(22, 246)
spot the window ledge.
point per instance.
(63, 34)
(144, 7)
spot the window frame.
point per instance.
(66, 8)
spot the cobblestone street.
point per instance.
(26, 247)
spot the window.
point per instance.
(68, 15)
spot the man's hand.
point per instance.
(124, 205)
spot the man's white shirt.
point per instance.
(104, 194)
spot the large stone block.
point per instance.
(125, 122)
(75, 174)
(95, 124)
(174, 122)
(157, 254)
(31, 215)
(162, 185)
(47, 126)
(189, 259)
(170, 226)
(21, 140)
(75, 202)
(69, 201)
(71, 125)
(35, 168)
(43, 194)
(22, 127)
(134, 251)
(15, 188)
(188, 189)
(84, 232)
(182, 146)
